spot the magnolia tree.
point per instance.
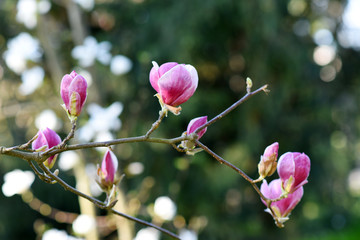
(175, 84)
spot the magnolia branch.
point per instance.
(102, 205)
(31, 156)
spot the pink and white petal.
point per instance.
(275, 189)
(109, 166)
(154, 76)
(271, 191)
(195, 124)
(114, 163)
(73, 74)
(64, 88)
(289, 203)
(271, 150)
(193, 74)
(302, 168)
(286, 166)
(79, 85)
(166, 67)
(52, 137)
(173, 85)
(40, 141)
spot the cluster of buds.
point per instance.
(286, 192)
(73, 91)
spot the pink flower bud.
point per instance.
(107, 172)
(46, 139)
(280, 209)
(267, 164)
(293, 169)
(73, 91)
(175, 83)
(195, 124)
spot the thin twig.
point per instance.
(24, 146)
(156, 124)
(70, 135)
(238, 170)
(145, 223)
(41, 175)
(101, 204)
(232, 107)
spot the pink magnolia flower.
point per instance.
(46, 139)
(293, 169)
(195, 124)
(73, 91)
(107, 172)
(175, 83)
(267, 164)
(280, 209)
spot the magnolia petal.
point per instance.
(75, 107)
(286, 166)
(195, 124)
(40, 141)
(272, 190)
(173, 85)
(49, 163)
(64, 89)
(164, 68)
(109, 166)
(52, 137)
(79, 85)
(154, 76)
(302, 168)
(271, 151)
(287, 204)
(193, 74)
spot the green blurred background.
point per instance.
(307, 51)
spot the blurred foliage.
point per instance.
(226, 41)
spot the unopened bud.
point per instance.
(267, 164)
(107, 171)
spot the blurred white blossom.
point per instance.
(21, 49)
(147, 234)
(101, 122)
(28, 9)
(120, 65)
(186, 234)
(349, 33)
(86, 4)
(48, 118)
(68, 160)
(83, 224)
(90, 51)
(17, 182)
(135, 168)
(31, 80)
(55, 234)
(165, 208)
